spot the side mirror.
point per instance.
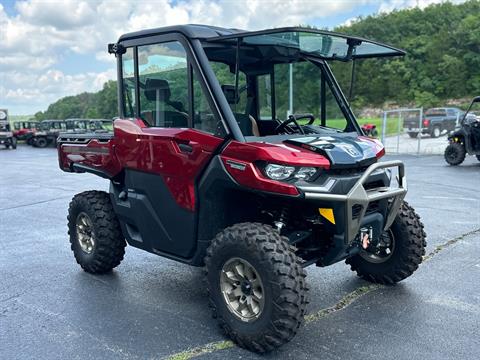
(476, 99)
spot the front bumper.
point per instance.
(352, 207)
(416, 129)
(4, 140)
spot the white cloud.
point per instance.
(60, 15)
(34, 41)
(39, 90)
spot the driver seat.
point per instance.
(247, 123)
(158, 92)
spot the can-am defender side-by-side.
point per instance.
(238, 151)
(466, 139)
(48, 132)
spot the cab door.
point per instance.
(166, 147)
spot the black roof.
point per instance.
(216, 34)
(192, 31)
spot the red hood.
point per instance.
(296, 152)
(280, 153)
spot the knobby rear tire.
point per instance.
(109, 247)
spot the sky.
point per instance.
(51, 49)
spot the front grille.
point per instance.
(373, 207)
(356, 210)
(348, 171)
(374, 185)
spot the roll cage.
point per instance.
(275, 46)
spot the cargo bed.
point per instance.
(88, 152)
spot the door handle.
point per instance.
(185, 148)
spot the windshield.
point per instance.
(98, 125)
(324, 44)
(436, 112)
(473, 114)
(269, 90)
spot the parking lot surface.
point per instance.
(154, 308)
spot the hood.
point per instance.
(342, 150)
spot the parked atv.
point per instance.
(466, 139)
(48, 132)
(370, 130)
(209, 170)
(24, 130)
(6, 135)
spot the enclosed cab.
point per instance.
(24, 130)
(47, 133)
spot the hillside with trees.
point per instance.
(99, 105)
(442, 63)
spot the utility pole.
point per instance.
(290, 90)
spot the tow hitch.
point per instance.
(366, 236)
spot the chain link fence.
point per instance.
(404, 132)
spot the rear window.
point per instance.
(436, 112)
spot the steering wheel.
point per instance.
(293, 119)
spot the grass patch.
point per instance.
(392, 124)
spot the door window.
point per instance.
(128, 83)
(204, 118)
(164, 78)
(163, 84)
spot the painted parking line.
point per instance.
(443, 246)
(202, 350)
(343, 303)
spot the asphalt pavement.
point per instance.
(153, 308)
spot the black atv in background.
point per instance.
(48, 132)
(466, 139)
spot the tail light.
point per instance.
(426, 122)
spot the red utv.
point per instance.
(370, 130)
(25, 130)
(214, 161)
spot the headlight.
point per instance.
(284, 172)
(278, 172)
(305, 173)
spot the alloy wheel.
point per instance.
(85, 234)
(242, 289)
